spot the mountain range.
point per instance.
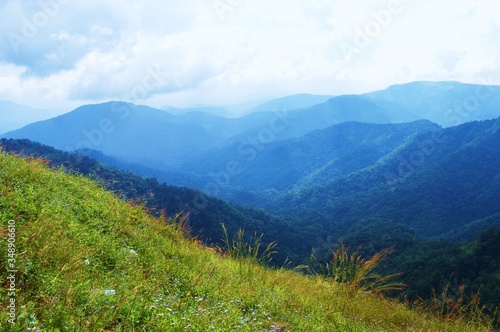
(158, 139)
(409, 153)
(288, 103)
(435, 182)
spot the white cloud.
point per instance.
(190, 52)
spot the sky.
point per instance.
(65, 53)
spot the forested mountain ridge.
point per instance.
(314, 158)
(437, 182)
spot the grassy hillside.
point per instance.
(88, 261)
(205, 213)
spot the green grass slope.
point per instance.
(87, 261)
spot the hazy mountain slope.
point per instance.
(445, 103)
(437, 183)
(155, 138)
(135, 133)
(14, 116)
(281, 125)
(229, 111)
(317, 157)
(344, 109)
(290, 103)
(216, 111)
(138, 134)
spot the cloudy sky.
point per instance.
(195, 52)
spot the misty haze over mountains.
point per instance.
(14, 116)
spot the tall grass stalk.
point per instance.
(352, 269)
(453, 303)
(240, 248)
